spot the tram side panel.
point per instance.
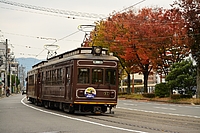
(57, 83)
(52, 86)
(31, 87)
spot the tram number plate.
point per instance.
(106, 93)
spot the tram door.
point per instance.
(68, 83)
(38, 85)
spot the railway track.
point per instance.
(149, 122)
(141, 121)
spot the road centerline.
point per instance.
(164, 108)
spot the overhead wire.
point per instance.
(51, 10)
(26, 46)
(131, 6)
(57, 11)
(124, 9)
(66, 36)
(37, 37)
(54, 15)
(59, 40)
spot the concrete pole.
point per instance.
(10, 71)
(6, 65)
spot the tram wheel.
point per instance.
(46, 104)
(68, 109)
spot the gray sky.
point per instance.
(28, 30)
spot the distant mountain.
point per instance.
(27, 62)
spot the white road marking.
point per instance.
(177, 105)
(159, 112)
(82, 120)
(165, 108)
(130, 104)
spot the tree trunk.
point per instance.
(133, 89)
(198, 80)
(128, 90)
(145, 81)
(146, 74)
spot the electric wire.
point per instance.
(37, 37)
(51, 10)
(48, 14)
(131, 6)
(59, 40)
(63, 12)
(124, 9)
(66, 36)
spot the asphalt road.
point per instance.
(161, 108)
(20, 116)
(17, 117)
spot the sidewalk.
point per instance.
(4, 95)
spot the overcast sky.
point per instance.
(28, 30)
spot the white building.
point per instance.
(2, 64)
(7, 65)
(139, 82)
(2, 58)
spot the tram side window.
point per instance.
(53, 78)
(42, 77)
(83, 75)
(59, 76)
(97, 76)
(48, 77)
(31, 80)
(68, 75)
(110, 76)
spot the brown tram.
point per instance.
(83, 80)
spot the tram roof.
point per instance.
(79, 53)
(80, 50)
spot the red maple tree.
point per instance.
(142, 39)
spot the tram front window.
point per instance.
(110, 76)
(83, 75)
(97, 76)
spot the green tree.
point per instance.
(191, 13)
(14, 81)
(182, 75)
(162, 90)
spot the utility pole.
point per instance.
(6, 65)
(22, 76)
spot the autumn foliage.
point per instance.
(147, 40)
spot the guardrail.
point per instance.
(138, 88)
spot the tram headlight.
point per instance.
(96, 50)
(112, 94)
(80, 93)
